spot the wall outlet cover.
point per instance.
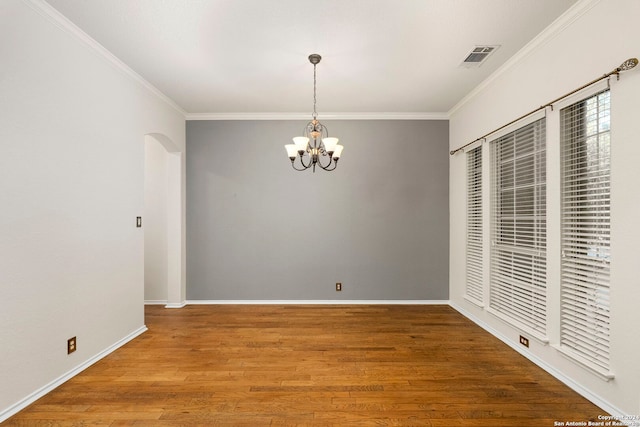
(71, 345)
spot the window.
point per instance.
(474, 225)
(586, 169)
(518, 252)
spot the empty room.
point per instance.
(322, 213)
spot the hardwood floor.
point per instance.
(287, 365)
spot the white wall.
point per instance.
(598, 37)
(72, 126)
(155, 221)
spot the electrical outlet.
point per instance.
(338, 286)
(71, 345)
(524, 341)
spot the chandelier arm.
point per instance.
(304, 167)
(302, 161)
(324, 130)
(335, 165)
(300, 170)
(328, 165)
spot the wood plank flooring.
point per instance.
(288, 365)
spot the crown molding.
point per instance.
(324, 116)
(549, 33)
(49, 12)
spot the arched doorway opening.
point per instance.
(163, 224)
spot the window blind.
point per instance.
(586, 169)
(474, 225)
(518, 253)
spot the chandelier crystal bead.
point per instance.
(316, 144)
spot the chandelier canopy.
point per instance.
(315, 144)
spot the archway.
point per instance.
(164, 223)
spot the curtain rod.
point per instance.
(626, 65)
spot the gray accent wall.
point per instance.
(258, 230)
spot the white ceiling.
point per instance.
(250, 56)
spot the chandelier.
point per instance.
(315, 144)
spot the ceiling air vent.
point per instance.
(478, 55)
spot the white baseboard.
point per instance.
(175, 305)
(578, 388)
(165, 302)
(20, 405)
(155, 302)
(318, 302)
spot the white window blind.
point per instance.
(474, 225)
(518, 253)
(586, 169)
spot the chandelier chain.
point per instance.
(315, 114)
